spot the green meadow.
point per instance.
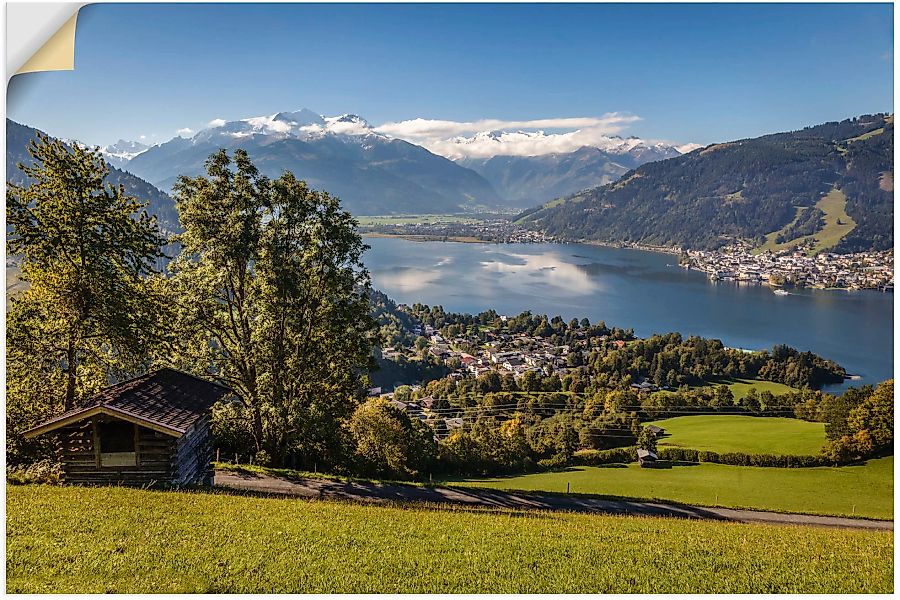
(740, 387)
(865, 490)
(79, 540)
(837, 224)
(742, 433)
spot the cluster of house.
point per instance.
(861, 270)
(423, 409)
(507, 354)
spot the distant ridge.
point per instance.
(743, 190)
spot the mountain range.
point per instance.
(531, 180)
(752, 190)
(770, 189)
(374, 173)
(371, 173)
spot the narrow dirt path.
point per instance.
(482, 498)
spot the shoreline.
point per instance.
(475, 240)
(614, 245)
(457, 239)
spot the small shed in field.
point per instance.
(646, 458)
(655, 431)
(151, 430)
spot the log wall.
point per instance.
(161, 460)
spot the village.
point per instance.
(498, 230)
(862, 270)
(471, 356)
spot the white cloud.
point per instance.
(611, 123)
(185, 131)
(268, 124)
(143, 137)
(685, 148)
(492, 137)
(347, 125)
(216, 123)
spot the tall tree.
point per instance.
(86, 249)
(273, 296)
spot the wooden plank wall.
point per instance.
(79, 459)
(192, 456)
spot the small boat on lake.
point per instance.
(780, 292)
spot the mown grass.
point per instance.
(858, 490)
(77, 540)
(837, 224)
(742, 433)
(740, 387)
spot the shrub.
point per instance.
(557, 461)
(605, 457)
(45, 471)
(679, 455)
(743, 459)
(262, 459)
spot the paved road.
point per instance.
(482, 498)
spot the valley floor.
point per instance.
(66, 539)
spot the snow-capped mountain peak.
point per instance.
(303, 124)
(122, 151)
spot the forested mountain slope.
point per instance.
(742, 190)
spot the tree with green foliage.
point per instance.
(388, 443)
(92, 312)
(272, 302)
(647, 440)
(875, 417)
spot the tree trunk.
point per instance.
(257, 427)
(70, 375)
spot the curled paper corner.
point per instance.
(57, 53)
(55, 44)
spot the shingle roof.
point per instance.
(168, 399)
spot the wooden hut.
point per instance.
(655, 431)
(646, 458)
(151, 430)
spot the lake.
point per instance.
(643, 290)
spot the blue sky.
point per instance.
(691, 73)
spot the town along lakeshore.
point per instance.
(646, 291)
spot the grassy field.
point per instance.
(77, 540)
(837, 224)
(864, 490)
(740, 387)
(742, 433)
